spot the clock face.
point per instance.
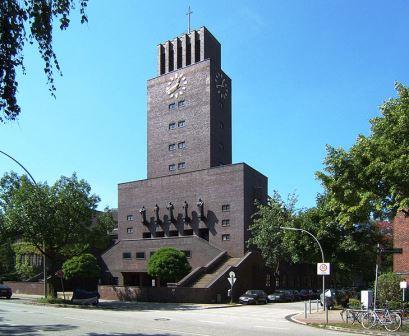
(221, 85)
(176, 85)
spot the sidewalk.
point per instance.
(319, 317)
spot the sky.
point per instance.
(304, 74)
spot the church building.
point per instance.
(194, 198)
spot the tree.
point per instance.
(168, 264)
(37, 16)
(265, 229)
(351, 250)
(84, 266)
(371, 179)
(56, 220)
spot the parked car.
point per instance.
(281, 296)
(296, 294)
(253, 296)
(5, 291)
(80, 296)
(304, 294)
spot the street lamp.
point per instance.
(35, 183)
(322, 255)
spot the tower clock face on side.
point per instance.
(176, 85)
(221, 85)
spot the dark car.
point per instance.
(304, 294)
(253, 296)
(5, 291)
(80, 296)
(281, 296)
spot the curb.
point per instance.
(292, 318)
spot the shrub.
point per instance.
(388, 287)
(84, 266)
(355, 303)
(168, 264)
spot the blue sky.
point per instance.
(305, 74)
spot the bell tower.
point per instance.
(189, 107)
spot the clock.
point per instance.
(221, 85)
(176, 85)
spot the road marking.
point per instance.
(215, 322)
(167, 331)
(266, 327)
(86, 320)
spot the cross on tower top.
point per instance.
(189, 12)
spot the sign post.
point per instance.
(324, 269)
(232, 279)
(403, 286)
(60, 274)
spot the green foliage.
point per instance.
(84, 266)
(51, 300)
(37, 16)
(6, 258)
(388, 287)
(24, 269)
(371, 178)
(265, 229)
(355, 303)
(168, 264)
(351, 250)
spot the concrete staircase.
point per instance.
(207, 278)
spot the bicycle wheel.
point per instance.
(393, 322)
(368, 320)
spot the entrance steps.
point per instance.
(207, 278)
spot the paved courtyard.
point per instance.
(19, 317)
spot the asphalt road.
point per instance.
(18, 317)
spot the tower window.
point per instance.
(197, 50)
(140, 255)
(181, 123)
(172, 147)
(226, 207)
(172, 106)
(172, 126)
(172, 167)
(188, 51)
(129, 218)
(160, 234)
(129, 230)
(181, 165)
(182, 145)
(226, 222)
(126, 255)
(181, 103)
(226, 237)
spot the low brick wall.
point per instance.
(22, 287)
(158, 294)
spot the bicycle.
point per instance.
(391, 321)
(351, 316)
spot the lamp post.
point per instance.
(322, 255)
(35, 183)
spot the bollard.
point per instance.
(317, 305)
(305, 309)
(309, 301)
(326, 314)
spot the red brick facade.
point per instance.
(401, 240)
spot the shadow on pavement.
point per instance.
(32, 330)
(145, 306)
(126, 334)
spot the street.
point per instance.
(19, 317)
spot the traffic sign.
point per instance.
(232, 278)
(403, 285)
(323, 269)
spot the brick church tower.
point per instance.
(194, 198)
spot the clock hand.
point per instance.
(173, 88)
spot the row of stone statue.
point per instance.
(170, 207)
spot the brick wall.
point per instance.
(20, 287)
(401, 240)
